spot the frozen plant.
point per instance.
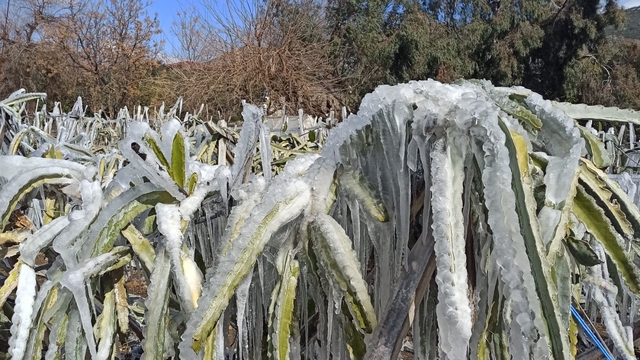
(473, 203)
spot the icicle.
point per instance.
(511, 254)
(246, 143)
(242, 296)
(265, 151)
(425, 327)
(604, 295)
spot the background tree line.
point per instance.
(314, 54)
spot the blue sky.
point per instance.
(167, 11)
(629, 3)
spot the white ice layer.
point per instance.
(604, 292)
(453, 309)
(386, 141)
(246, 145)
(286, 196)
(374, 140)
(563, 142)
(21, 320)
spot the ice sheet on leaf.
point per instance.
(168, 131)
(145, 161)
(30, 173)
(285, 198)
(21, 320)
(14, 165)
(116, 215)
(528, 333)
(265, 151)
(157, 307)
(79, 220)
(30, 248)
(74, 280)
(246, 144)
(453, 309)
(562, 140)
(248, 195)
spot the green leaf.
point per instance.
(193, 181)
(36, 336)
(335, 252)
(17, 141)
(490, 327)
(10, 283)
(624, 211)
(573, 335)
(210, 344)
(141, 246)
(282, 308)
(530, 230)
(354, 184)
(597, 223)
(158, 152)
(122, 305)
(178, 166)
(157, 305)
(515, 109)
(582, 252)
(352, 337)
(596, 148)
(57, 336)
(250, 244)
(106, 326)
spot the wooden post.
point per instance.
(284, 119)
(621, 134)
(222, 146)
(300, 122)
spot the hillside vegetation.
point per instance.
(631, 29)
(314, 54)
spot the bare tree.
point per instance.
(111, 43)
(192, 39)
(104, 49)
(28, 59)
(254, 45)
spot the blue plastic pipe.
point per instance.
(593, 337)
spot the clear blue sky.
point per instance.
(167, 11)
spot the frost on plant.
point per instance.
(461, 210)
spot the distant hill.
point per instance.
(632, 27)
